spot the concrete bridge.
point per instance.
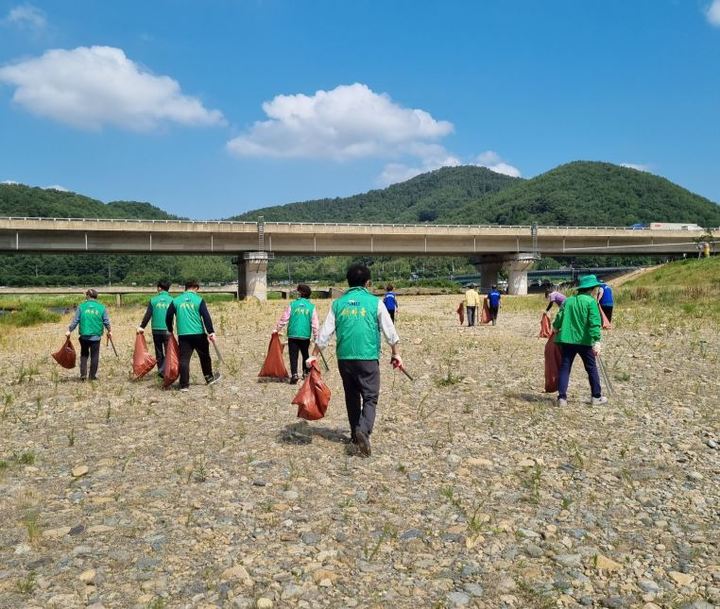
(513, 248)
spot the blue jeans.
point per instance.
(569, 351)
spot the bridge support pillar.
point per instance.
(252, 276)
(515, 265)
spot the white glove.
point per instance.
(597, 348)
(310, 361)
(140, 330)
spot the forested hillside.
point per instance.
(429, 197)
(595, 194)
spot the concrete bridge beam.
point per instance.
(252, 275)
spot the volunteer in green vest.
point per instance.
(193, 321)
(92, 318)
(358, 318)
(578, 331)
(157, 312)
(302, 322)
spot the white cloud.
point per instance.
(713, 13)
(494, 162)
(90, 87)
(26, 16)
(10, 182)
(56, 187)
(429, 157)
(636, 166)
(348, 122)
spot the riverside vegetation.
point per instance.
(480, 492)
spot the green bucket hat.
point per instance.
(588, 281)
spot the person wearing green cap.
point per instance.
(578, 332)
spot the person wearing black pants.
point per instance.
(89, 348)
(189, 343)
(193, 321)
(296, 346)
(92, 317)
(361, 383)
(157, 312)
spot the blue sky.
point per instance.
(208, 108)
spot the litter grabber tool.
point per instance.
(324, 361)
(398, 366)
(110, 342)
(217, 351)
(605, 375)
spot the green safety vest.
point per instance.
(356, 325)
(187, 309)
(160, 304)
(300, 324)
(91, 318)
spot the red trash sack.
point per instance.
(274, 366)
(314, 396)
(143, 362)
(65, 355)
(461, 313)
(553, 358)
(545, 327)
(171, 370)
(606, 325)
(485, 317)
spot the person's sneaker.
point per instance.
(213, 379)
(94, 378)
(184, 389)
(561, 403)
(294, 379)
(363, 442)
(599, 401)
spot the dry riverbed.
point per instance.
(479, 493)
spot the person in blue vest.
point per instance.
(301, 318)
(157, 312)
(358, 318)
(92, 317)
(193, 321)
(390, 301)
(606, 300)
(494, 303)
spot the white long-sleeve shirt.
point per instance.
(385, 325)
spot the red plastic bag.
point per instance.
(143, 362)
(65, 355)
(274, 366)
(171, 370)
(553, 358)
(545, 327)
(461, 313)
(314, 396)
(485, 317)
(606, 325)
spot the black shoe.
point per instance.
(211, 380)
(363, 442)
(94, 378)
(294, 379)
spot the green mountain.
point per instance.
(590, 193)
(429, 197)
(20, 200)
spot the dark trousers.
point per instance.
(361, 382)
(392, 314)
(493, 313)
(588, 357)
(160, 340)
(295, 347)
(89, 348)
(607, 309)
(471, 315)
(188, 344)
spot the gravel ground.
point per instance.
(479, 493)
